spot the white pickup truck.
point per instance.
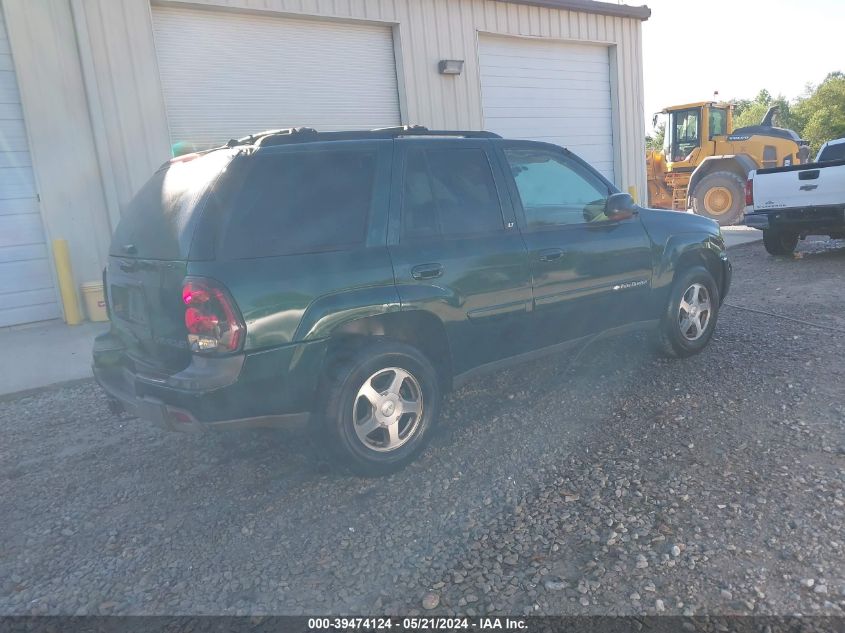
(790, 203)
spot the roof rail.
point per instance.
(299, 134)
(255, 139)
(419, 130)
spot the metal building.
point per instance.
(96, 94)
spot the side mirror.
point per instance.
(620, 206)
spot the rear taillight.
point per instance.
(211, 317)
(749, 192)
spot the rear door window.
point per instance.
(300, 202)
(833, 152)
(449, 193)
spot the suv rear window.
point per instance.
(158, 223)
(449, 193)
(833, 152)
(302, 202)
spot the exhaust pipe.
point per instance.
(770, 114)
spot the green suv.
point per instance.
(350, 278)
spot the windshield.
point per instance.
(683, 133)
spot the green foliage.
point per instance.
(820, 113)
(751, 112)
(655, 141)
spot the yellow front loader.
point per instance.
(704, 162)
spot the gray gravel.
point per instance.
(614, 482)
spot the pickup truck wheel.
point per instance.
(719, 196)
(381, 405)
(690, 317)
(779, 243)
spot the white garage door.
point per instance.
(227, 75)
(26, 283)
(552, 91)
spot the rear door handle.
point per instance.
(427, 271)
(550, 254)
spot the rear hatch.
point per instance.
(149, 257)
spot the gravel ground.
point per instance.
(612, 482)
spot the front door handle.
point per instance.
(427, 271)
(550, 254)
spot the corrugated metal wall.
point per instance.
(126, 123)
(123, 83)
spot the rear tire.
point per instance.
(686, 329)
(779, 243)
(720, 196)
(382, 402)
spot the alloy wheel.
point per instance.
(694, 312)
(388, 409)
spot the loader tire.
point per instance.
(720, 196)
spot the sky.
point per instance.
(693, 47)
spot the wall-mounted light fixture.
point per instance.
(450, 66)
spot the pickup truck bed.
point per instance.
(790, 203)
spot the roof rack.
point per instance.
(419, 130)
(304, 134)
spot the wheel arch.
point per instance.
(683, 252)
(739, 164)
(418, 328)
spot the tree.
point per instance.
(655, 141)
(751, 112)
(820, 113)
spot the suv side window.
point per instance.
(555, 190)
(449, 193)
(303, 202)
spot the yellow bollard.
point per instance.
(633, 191)
(64, 272)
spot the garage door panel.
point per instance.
(528, 98)
(574, 114)
(500, 64)
(17, 230)
(24, 276)
(27, 252)
(18, 205)
(11, 111)
(597, 84)
(549, 90)
(26, 280)
(8, 87)
(28, 314)
(27, 298)
(15, 159)
(273, 72)
(17, 182)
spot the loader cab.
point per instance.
(690, 127)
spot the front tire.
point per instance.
(382, 402)
(690, 316)
(720, 196)
(779, 243)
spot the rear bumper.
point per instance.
(262, 389)
(822, 220)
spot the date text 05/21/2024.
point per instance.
(417, 624)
